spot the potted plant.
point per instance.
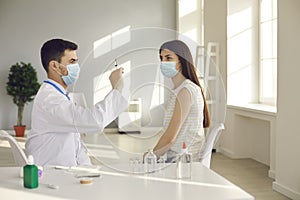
(22, 85)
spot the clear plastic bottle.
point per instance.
(150, 161)
(184, 163)
(30, 176)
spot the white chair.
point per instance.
(211, 139)
(18, 153)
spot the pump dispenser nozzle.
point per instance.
(183, 145)
(183, 149)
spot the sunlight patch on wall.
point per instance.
(240, 55)
(187, 7)
(192, 34)
(102, 84)
(111, 41)
(234, 22)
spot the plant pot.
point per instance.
(20, 131)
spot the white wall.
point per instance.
(249, 134)
(288, 134)
(215, 22)
(26, 25)
(215, 13)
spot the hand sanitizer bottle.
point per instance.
(184, 163)
(30, 176)
(150, 161)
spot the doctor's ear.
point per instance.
(53, 65)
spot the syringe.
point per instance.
(116, 64)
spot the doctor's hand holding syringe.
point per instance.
(116, 79)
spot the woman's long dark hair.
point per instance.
(188, 69)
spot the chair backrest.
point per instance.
(18, 153)
(211, 139)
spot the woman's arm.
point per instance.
(181, 110)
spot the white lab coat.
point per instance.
(56, 123)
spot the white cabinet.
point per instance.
(129, 121)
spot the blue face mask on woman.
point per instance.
(168, 69)
(73, 74)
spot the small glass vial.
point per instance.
(150, 161)
(30, 174)
(184, 164)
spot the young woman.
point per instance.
(187, 114)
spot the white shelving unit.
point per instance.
(207, 63)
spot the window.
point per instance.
(191, 29)
(268, 52)
(252, 52)
(190, 19)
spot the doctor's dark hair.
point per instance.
(54, 49)
(188, 69)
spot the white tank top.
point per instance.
(192, 131)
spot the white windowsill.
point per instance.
(256, 108)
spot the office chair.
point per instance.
(18, 153)
(211, 139)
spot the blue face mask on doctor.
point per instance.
(168, 69)
(73, 74)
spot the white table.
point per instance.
(204, 184)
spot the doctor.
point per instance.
(56, 122)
